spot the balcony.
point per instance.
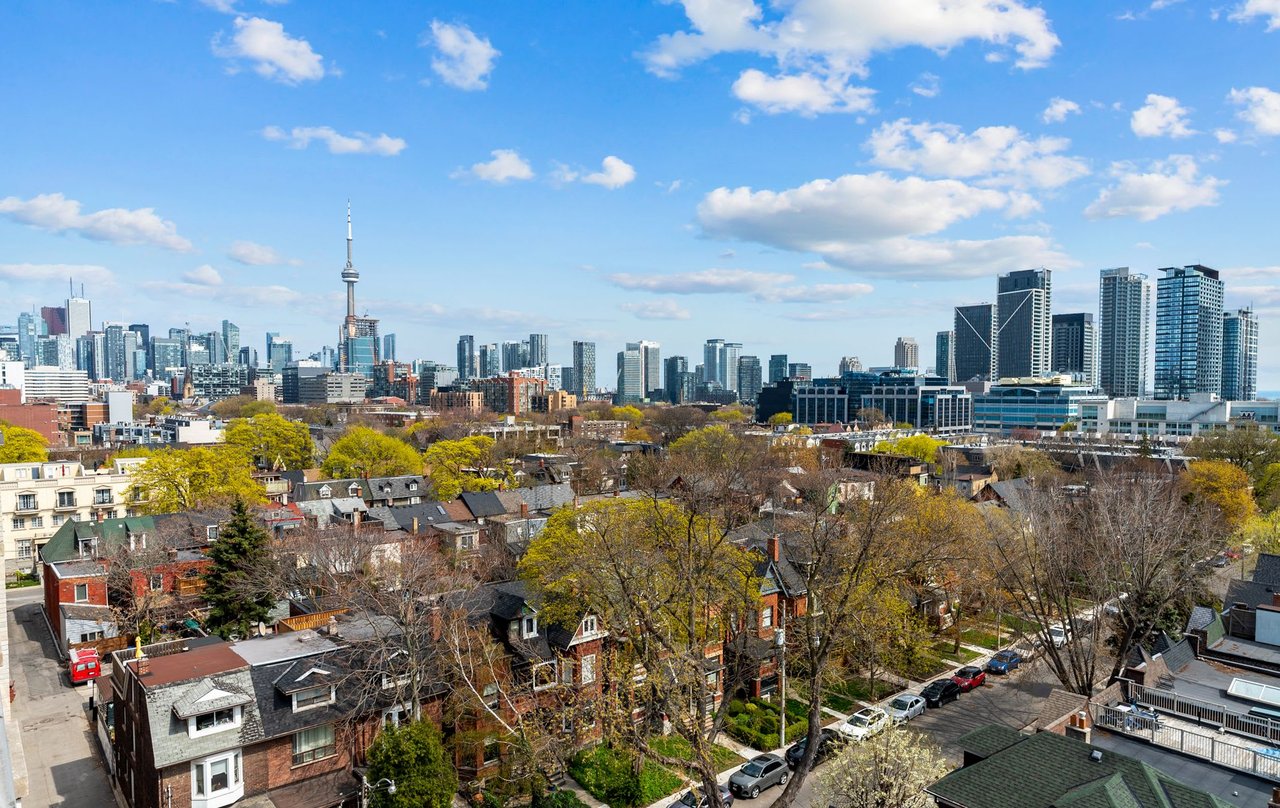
(103, 502)
(66, 506)
(28, 507)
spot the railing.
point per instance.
(1218, 750)
(1203, 712)
(308, 621)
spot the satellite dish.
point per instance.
(262, 629)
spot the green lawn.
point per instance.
(984, 637)
(943, 649)
(677, 747)
(843, 697)
(924, 667)
(603, 772)
(1020, 624)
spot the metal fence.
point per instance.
(1205, 713)
(1217, 749)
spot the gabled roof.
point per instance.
(205, 697)
(402, 516)
(1012, 493)
(402, 487)
(484, 503)
(1267, 570)
(110, 533)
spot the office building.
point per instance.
(681, 384)
(1039, 404)
(388, 347)
(713, 361)
(218, 382)
(1239, 355)
(230, 341)
(333, 388)
(515, 355)
(467, 360)
(279, 353)
(1188, 332)
(58, 384)
(295, 374)
(490, 361)
(975, 343)
(56, 350)
(358, 345)
(630, 383)
(925, 402)
(29, 330)
(537, 349)
(777, 368)
(55, 319)
(732, 353)
(511, 394)
(850, 364)
(1075, 346)
(826, 403)
(802, 371)
(1139, 418)
(166, 357)
(650, 367)
(79, 316)
(945, 356)
(584, 368)
(1024, 328)
(248, 356)
(906, 353)
(750, 378)
(1125, 301)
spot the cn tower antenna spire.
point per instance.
(349, 274)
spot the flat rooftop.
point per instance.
(282, 647)
(1236, 788)
(194, 663)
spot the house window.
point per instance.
(102, 496)
(211, 532)
(589, 625)
(530, 628)
(566, 723)
(413, 486)
(24, 549)
(312, 697)
(19, 523)
(397, 715)
(155, 583)
(467, 542)
(213, 777)
(82, 593)
(37, 521)
(325, 492)
(214, 722)
(26, 502)
(66, 499)
(353, 490)
(91, 636)
(491, 694)
(566, 672)
(57, 519)
(313, 744)
(544, 675)
(588, 669)
(766, 617)
(492, 751)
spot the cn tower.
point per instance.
(350, 276)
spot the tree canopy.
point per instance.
(781, 419)
(22, 445)
(365, 452)
(413, 756)
(269, 438)
(241, 407)
(890, 770)
(234, 583)
(468, 464)
(186, 479)
(921, 447)
(1226, 486)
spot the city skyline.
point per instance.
(1159, 164)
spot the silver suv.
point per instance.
(759, 773)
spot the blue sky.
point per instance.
(811, 177)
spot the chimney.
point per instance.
(1275, 599)
(144, 666)
(1274, 802)
(772, 546)
(524, 510)
(355, 519)
(415, 525)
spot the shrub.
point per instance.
(607, 774)
(558, 799)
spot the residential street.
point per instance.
(64, 765)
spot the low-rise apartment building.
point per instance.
(1135, 418)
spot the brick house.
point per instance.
(752, 654)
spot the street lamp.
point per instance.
(367, 788)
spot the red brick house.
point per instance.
(753, 653)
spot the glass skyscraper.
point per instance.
(1188, 332)
(1024, 330)
(974, 346)
(584, 367)
(1240, 355)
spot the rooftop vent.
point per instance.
(1096, 756)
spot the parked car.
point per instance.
(939, 692)
(1059, 634)
(694, 798)
(905, 707)
(1006, 661)
(863, 724)
(760, 773)
(84, 665)
(828, 742)
(969, 677)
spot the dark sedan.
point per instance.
(827, 742)
(939, 692)
(1005, 661)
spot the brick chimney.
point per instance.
(773, 547)
(1274, 802)
(524, 510)
(1275, 599)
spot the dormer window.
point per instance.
(313, 697)
(353, 490)
(413, 485)
(211, 532)
(529, 627)
(325, 492)
(589, 624)
(216, 721)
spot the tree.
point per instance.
(22, 445)
(469, 464)
(890, 770)
(676, 422)
(871, 417)
(237, 590)
(241, 407)
(731, 415)
(628, 413)
(160, 405)
(413, 756)
(1226, 486)
(269, 439)
(364, 452)
(780, 419)
(174, 480)
(1010, 461)
(921, 447)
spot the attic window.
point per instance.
(353, 490)
(413, 486)
(313, 697)
(325, 492)
(211, 532)
(216, 721)
(529, 628)
(589, 625)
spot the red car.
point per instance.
(969, 677)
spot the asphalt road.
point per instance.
(64, 765)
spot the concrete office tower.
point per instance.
(467, 360)
(1075, 346)
(650, 366)
(584, 367)
(850, 364)
(1024, 326)
(1240, 355)
(1188, 332)
(537, 350)
(906, 353)
(975, 343)
(629, 389)
(777, 368)
(945, 356)
(79, 316)
(1125, 301)
(750, 379)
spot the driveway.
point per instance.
(64, 765)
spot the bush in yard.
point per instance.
(558, 799)
(607, 774)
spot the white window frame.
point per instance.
(328, 750)
(766, 617)
(542, 682)
(25, 550)
(37, 522)
(529, 626)
(467, 541)
(76, 593)
(588, 668)
(203, 794)
(314, 704)
(19, 523)
(397, 714)
(590, 625)
(237, 716)
(27, 502)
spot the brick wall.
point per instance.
(63, 590)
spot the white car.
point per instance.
(1058, 635)
(864, 723)
(905, 707)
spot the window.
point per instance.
(530, 628)
(312, 697)
(397, 715)
(102, 496)
(313, 744)
(155, 583)
(211, 532)
(91, 636)
(26, 502)
(589, 625)
(325, 492)
(24, 549)
(766, 617)
(353, 490)
(215, 720)
(213, 777)
(37, 521)
(413, 486)
(82, 593)
(19, 523)
(588, 669)
(467, 542)
(66, 499)
(492, 751)
(57, 519)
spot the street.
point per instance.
(64, 764)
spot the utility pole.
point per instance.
(780, 640)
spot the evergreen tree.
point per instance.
(236, 584)
(413, 757)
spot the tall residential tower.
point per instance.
(1188, 332)
(1125, 301)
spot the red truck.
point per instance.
(84, 665)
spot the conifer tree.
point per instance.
(236, 584)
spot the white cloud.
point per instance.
(873, 224)
(1000, 155)
(768, 287)
(56, 213)
(1260, 108)
(1058, 110)
(1160, 116)
(275, 54)
(223, 6)
(256, 296)
(299, 137)
(614, 173)
(1250, 9)
(55, 273)
(203, 275)
(804, 93)
(927, 85)
(1171, 185)
(462, 60)
(258, 255)
(1225, 135)
(506, 165)
(657, 310)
